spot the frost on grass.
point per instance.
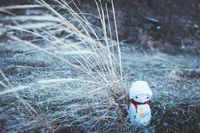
(60, 73)
(79, 86)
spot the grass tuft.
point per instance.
(92, 97)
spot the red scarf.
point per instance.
(138, 103)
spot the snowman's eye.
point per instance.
(147, 97)
(136, 97)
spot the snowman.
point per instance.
(139, 110)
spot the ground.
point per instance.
(174, 80)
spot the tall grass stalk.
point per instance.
(89, 99)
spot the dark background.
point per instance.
(170, 26)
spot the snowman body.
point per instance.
(139, 109)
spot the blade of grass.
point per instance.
(27, 105)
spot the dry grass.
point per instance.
(80, 103)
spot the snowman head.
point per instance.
(140, 92)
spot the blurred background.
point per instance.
(168, 26)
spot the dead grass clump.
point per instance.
(88, 100)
